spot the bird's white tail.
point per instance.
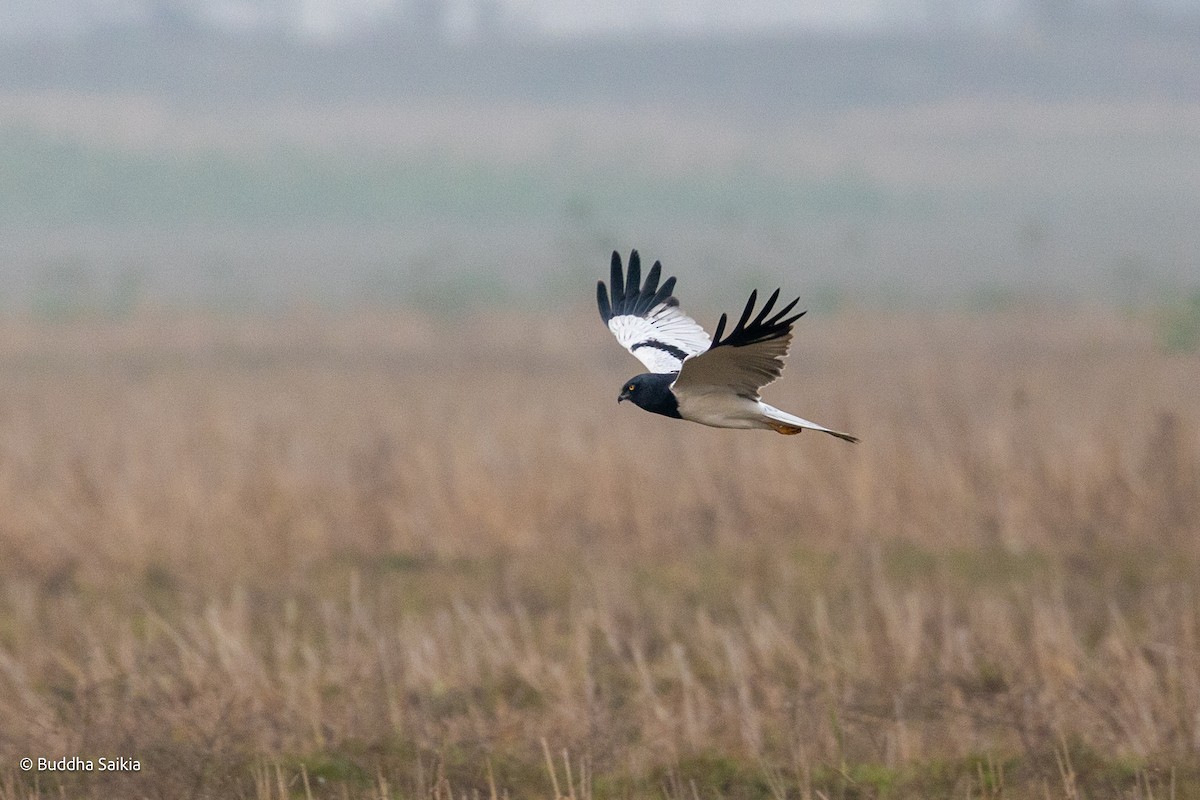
(783, 422)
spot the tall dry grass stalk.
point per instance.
(392, 557)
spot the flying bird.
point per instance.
(713, 381)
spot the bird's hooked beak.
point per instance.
(624, 396)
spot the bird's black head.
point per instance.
(652, 391)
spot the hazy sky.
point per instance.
(575, 16)
(333, 18)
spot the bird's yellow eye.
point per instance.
(630, 388)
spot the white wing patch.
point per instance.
(662, 339)
(646, 319)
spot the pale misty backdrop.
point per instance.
(257, 154)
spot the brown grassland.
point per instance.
(393, 556)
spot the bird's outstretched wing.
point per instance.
(646, 318)
(746, 360)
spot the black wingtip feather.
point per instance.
(645, 297)
(652, 279)
(661, 296)
(763, 328)
(720, 330)
(783, 311)
(766, 309)
(747, 311)
(602, 302)
(616, 278)
(633, 279)
(628, 294)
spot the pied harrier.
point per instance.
(714, 381)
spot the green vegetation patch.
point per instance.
(909, 562)
(57, 180)
(1179, 325)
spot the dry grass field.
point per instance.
(392, 556)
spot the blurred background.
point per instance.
(309, 460)
(237, 155)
